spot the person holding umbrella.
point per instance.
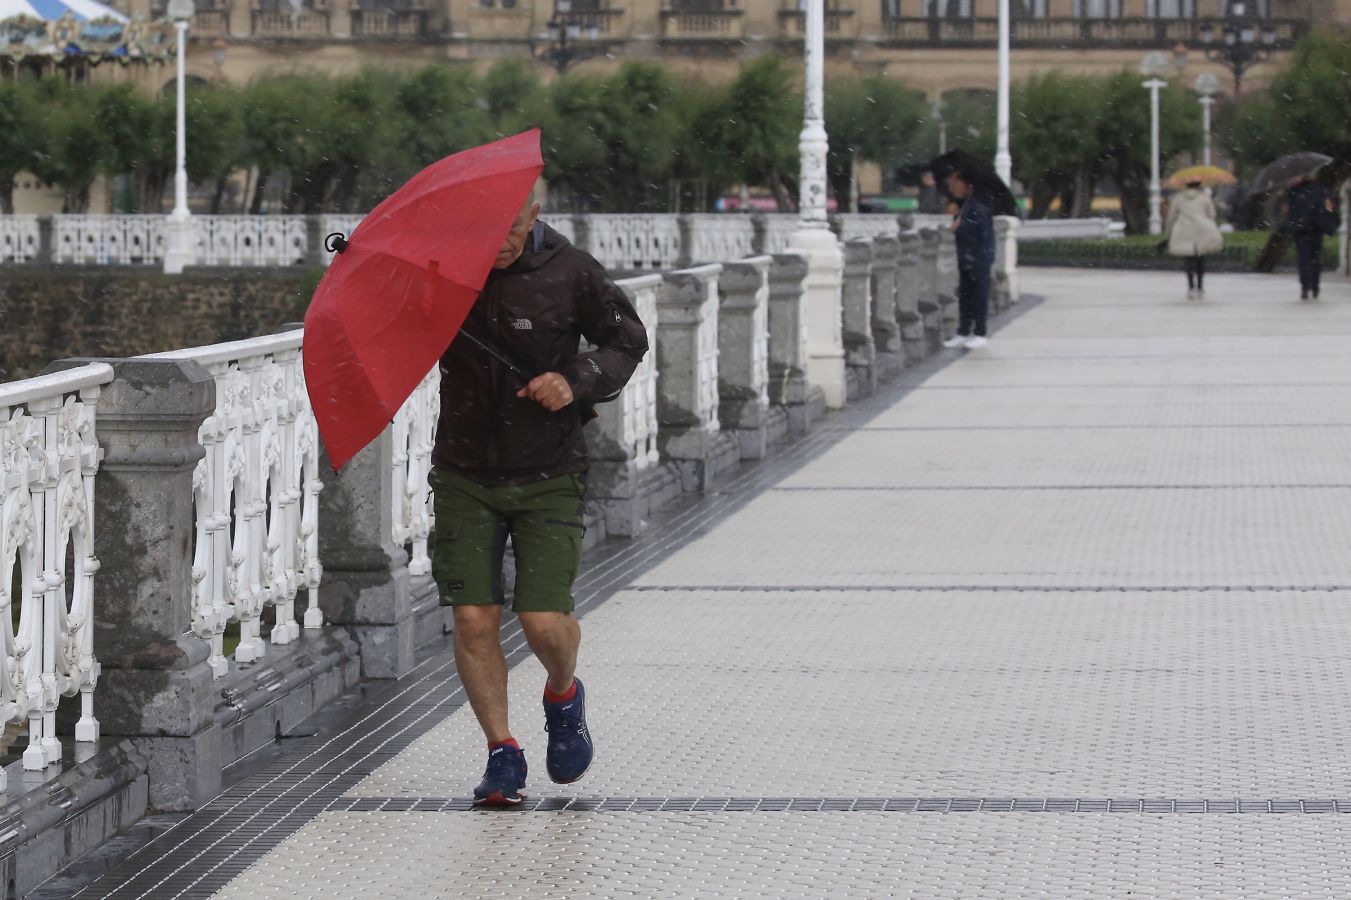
(1310, 214)
(973, 226)
(1192, 234)
(454, 269)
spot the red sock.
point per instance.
(509, 742)
(551, 697)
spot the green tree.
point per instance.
(1253, 132)
(74, 147)
(1052, 131)
(875, 119)
(217, 146)
(967, 120)
(1313, 93)
(1122, 134)
(22, 135)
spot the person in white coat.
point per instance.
(1192, 234)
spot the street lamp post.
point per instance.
(566, 32)
(1207, 86)
(1154, 65)
(1245, 41)
(1003, 160)
(813, 237)
(178, 249)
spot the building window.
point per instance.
(1172, 9)
(1096, 9)
(1028, 9)
(891, 9)
(948, 9)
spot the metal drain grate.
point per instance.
(853, 804)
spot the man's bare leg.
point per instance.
(483, 666)
(554, 637)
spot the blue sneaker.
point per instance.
(570, 747)
(502, 782)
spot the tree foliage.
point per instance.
(876, 119)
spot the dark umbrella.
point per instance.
(980, 177)
(1278, 175)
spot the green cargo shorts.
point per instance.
(543, 520)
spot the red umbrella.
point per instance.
(399, 289)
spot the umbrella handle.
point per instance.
(336, 242)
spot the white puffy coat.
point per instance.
(1191, 225)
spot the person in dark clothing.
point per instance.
(510, 463)
(1309, 215)
(973, 228)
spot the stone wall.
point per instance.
(48, 313)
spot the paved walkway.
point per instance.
(1026, 629)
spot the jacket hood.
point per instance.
(543, 244)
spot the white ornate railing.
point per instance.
(250, 240)
(638, 403)
(20, 238)
(344, 224)
(256, 496)
(105, 240)
(563, 225)
(48, 459)
(866, 226)
(414, 437)
(720, 238)
(635, 242)
(707, 343)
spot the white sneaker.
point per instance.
(954, 343)
(975, 342)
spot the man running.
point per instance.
(510, 462)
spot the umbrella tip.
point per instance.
(336, 242)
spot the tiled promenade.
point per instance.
(1067, 617)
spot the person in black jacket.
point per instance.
(1309, 215)
(973, 227)
(510, 463)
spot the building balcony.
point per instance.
(210, 23)
(303, 23)
(793, 20)
(385, 24)
(1063, 33)
(704, 25)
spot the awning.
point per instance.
(80, 29)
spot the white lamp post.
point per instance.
(1207, 86)
(813, 237)
(178, 251)
(1003, 160)
(1154, 65)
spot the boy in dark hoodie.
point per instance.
(510, 461)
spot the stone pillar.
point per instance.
(340, 18)
(909, 285)
(687, 417)
(824, 315)
(788, 339)
(929, 306)
(46, 241)
(945, 276)
(886, 330)
(314, 242)
(860, 354)
(743, 354)
(241, 18)
(685, 259)
(155, 688)
(367, 587)
(760, 232)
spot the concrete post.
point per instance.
(860, 354)
(367, 587)
(46, 241)
(314, 242)
(929, 306)
(788, 339)
(945, 277)
(156, 688)
(687, 412)
(885, 326)
(909, 285)
(743, 354)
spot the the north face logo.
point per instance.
(522, 324)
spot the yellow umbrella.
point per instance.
(1204, 174)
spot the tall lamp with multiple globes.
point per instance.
(572, 38)
(1154, 66)
(1206, 87)
(178, 250)
(1244, 40)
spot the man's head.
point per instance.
(519, 234)
(958, 185)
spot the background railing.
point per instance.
(49, 456)
(20, 238)
(920, 31)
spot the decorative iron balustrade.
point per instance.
(250, 240)
(391, 23)
(717, 237)
(20, 238)
(49, 456)
(108, 240)
(635, 242)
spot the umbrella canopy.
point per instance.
(1278, 175)
(1210, 175)
(395, 296)
(979, 175)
